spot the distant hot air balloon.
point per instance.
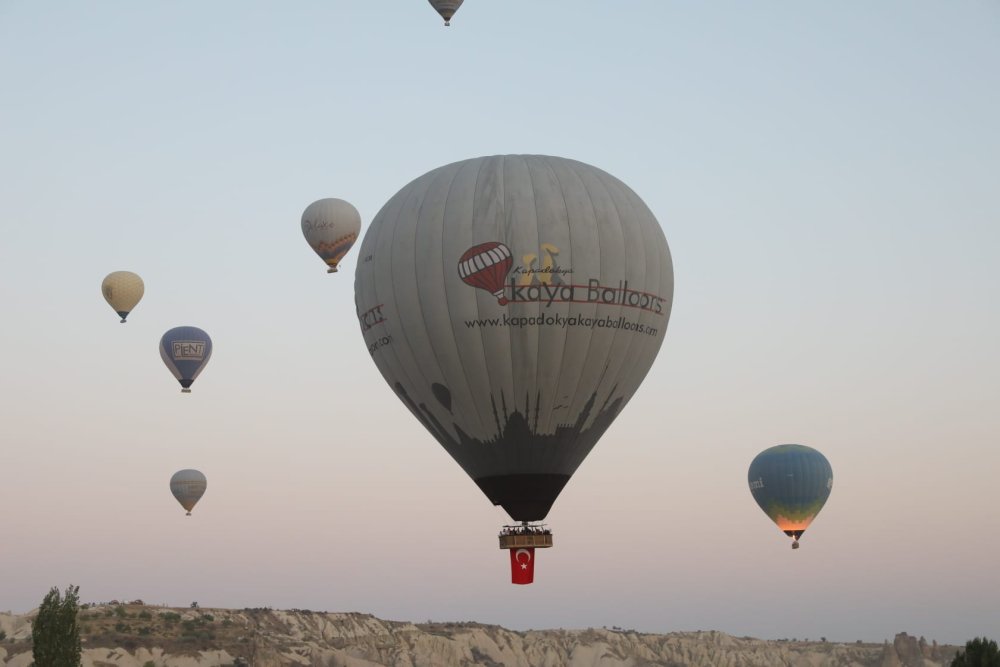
(791, 484)
(446, 8)
(185, 351)
(331, 226)
(515, 303)
(122, 290)
(188, 486)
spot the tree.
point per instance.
(55, 633)
(979, 652)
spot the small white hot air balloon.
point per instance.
(331, 226)
(122, 290)
(446, 8)
(188, 486)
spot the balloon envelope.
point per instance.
(514, 304)
(185, 351)
(122, 290)
(188, 486)
(791, 483)
(331, 226)
(446, 8)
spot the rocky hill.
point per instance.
(136, 635)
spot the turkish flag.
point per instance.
(522, 565)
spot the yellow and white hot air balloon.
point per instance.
(331, 226)
(122, 290)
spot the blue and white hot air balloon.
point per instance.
(185, 351)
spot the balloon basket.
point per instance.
(795, 544)
(185, 391)
(332, 269)
(525, 537)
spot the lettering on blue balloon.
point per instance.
(187, 350)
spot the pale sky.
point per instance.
(825, 175)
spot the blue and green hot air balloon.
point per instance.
(185, 351)
(791, 484)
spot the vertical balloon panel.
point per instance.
(461, 350)
(514, 303)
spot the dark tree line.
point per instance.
(979, 652)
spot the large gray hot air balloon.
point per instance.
(188, 486)
(514, 304)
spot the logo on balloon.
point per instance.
(190, 350)
(486, 266)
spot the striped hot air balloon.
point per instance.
(446, 8)
(188, 486)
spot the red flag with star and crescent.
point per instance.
(522, 565)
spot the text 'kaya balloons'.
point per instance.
(446, 8)
(331, 226)
(122, 290)
(188, 486)
(791, 484)
(515, 303)
(185, 351)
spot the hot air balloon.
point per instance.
(791, 484)
(514, 304)
(331, 226)
(185, 351)
(446, 8)
(188, 486)
(122, 290)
